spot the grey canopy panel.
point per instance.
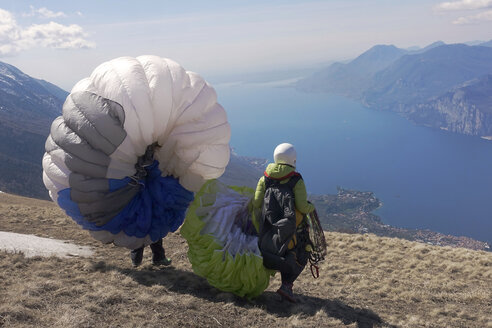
(95, 119)
(89, 131)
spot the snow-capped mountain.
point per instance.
(27, 108)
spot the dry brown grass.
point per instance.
(367, 281)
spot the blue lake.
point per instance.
(426, 179)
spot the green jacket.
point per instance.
(278, 171)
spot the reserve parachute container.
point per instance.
(134, 141)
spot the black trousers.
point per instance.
(295, 261)
(290, 265)
(158, 252)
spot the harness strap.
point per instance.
(142, 162)
(281, 178)
(294, 177)
(315, 276)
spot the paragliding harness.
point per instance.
(143, 162)
(312, 233)
(309, 235)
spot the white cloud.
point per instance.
(43, 13)
(465, 5)
(480, 6)
(15, 38)
(46, 13)
(473, 19)
(54, 35)
(8, 27)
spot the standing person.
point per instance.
(158, 255)
(282, 197)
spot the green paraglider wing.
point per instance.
(223, 241)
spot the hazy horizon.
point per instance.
(62, 42)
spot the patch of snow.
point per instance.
(10, 76)
(32, 245)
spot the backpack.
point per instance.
(278, 219)
(278, 226)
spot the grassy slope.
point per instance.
(366, 281)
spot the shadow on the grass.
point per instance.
(310, 305)
(185, 282)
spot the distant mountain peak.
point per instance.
(12, 72)
(382, 47)
(435, 44)
(24, 96)
(424, 85)
(381, 52)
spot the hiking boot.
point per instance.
(165, 261)
(136, 255)
(286, 292)
(159, 254)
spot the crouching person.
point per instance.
(281, 195)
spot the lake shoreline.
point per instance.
(351, 211)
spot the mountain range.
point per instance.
(27, 108)
(445, 86)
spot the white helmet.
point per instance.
(285, 153)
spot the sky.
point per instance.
(63, 41)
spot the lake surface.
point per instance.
(426, 179)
